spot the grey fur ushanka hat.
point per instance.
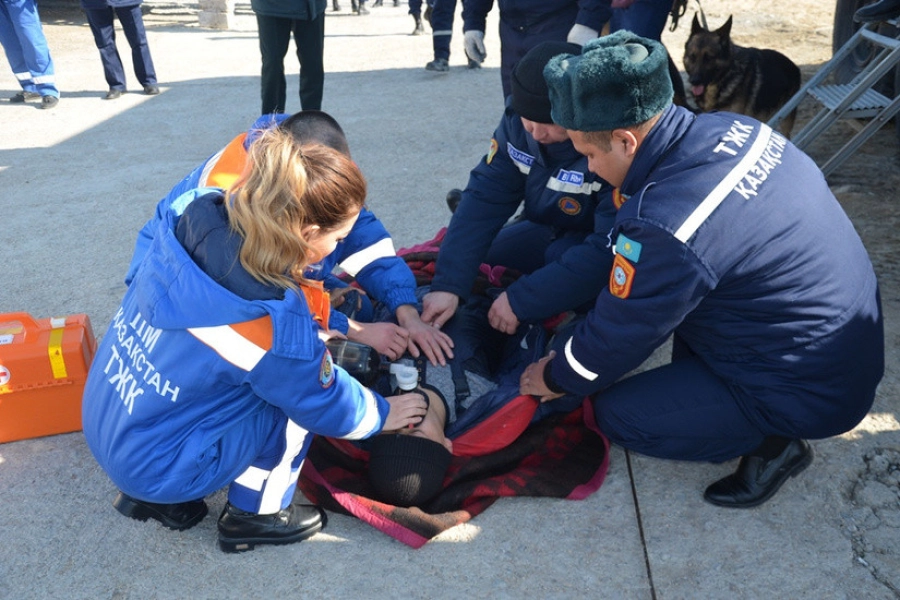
(618, 80)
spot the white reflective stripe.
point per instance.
(281, 477)
(577, 366)
(23, 76)
(370, 419)
(230, 345)
(442, 32)
(356, 262)
(208, 167)
(253, 478)
(725, 187)
(570, 188)
(523, 168)
(44, 79)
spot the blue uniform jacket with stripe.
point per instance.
(553, 185)
(189, 378)
(366, 254)
(731, 239)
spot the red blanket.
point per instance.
(558, 457)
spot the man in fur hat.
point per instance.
(730, 242)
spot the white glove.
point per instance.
(474, 41)
(580, 34)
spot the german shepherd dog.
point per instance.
(750, 81)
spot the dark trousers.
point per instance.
(103, 28)
(442, 13)
(274, 38)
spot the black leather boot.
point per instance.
(181, 516)
(240, 531)
(419, 30)
(758, 478)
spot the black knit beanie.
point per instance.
(530, 97)
(407, 470)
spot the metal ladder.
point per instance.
(850, 101)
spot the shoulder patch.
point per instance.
(492, 152)
(628, 248)
(326, 372)
(618, 198)
(568, 205)
(621, 277)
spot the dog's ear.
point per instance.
(695, 25)
(725, 30)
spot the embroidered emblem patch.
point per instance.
(628, 248)
(326, 372)
(492, 151)
(621, 277)
(570, 206)
(618, 198)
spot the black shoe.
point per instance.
(396, 2)
(441, 65)
(474, 64)
(49, 101)
(454, 197)
(419, 30)
(378, 3)
(362, 10)
(879, 11)
(22, 96)
(113, 94)
(240, 531)
(151, 90)
(757, 479)
(181, 516)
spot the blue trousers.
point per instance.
(22, 38)
(102, 25)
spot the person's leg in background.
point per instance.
(27, 51)
(103, 27)
(309, 36)
(274, 38)
(441, 34)
(133, 27)
(646, 18)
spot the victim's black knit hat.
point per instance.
(530, 96)
(407, 470)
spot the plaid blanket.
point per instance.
(557, 457)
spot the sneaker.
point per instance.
(181, 516)
(438, 64)
(113, 94)
(49, 101)
(151, 90)
(240, 531)
(23, 96)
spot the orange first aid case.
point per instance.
(43, 367)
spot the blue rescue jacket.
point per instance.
(731, 239)
(554, 187)
(185, 382)
(367, 253)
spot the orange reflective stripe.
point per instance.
(229, 166)
(258, 331)
(319, 302)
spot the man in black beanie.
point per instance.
(560, 240)
(720, 244)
